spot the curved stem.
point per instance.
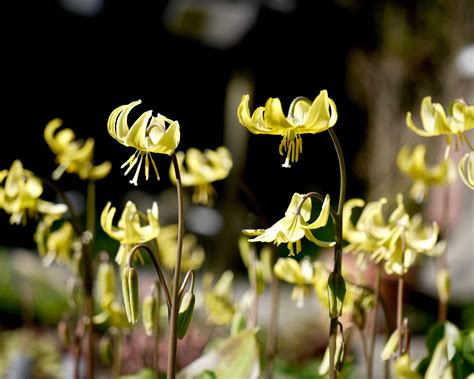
(337, 247)
(320, 197)
(157, 268)
(173, 337)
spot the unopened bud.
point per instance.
(185, 314)
(149, 312)
(105, 280)
(336, 293)
(443, 283)
(106, 350)
(130, 293)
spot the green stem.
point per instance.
(373, 331)
(161, 277)
(272, 338)
(337, 248)
(173, 337)
(88, 243)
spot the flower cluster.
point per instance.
(397, 242)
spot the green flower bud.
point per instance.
(150, 309)
(336, 293)
(443, 284)
(106, 350)
(79, 266)
(185, 313)
(130, 293)
(105, 280)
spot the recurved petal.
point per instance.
(168, 142)
(322, 219)
(318, 116)
(100, 171)
(51, 208)
(54, 144)
(317, 241)
(275, 119)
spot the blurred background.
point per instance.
(193, 60)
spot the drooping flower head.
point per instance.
(218, 298)
(300, 274)
(413, 165)
(56, 243)
(303, 117)
(435, 122)
(294, 225)
(129, 230)
(200, 169)
(20, 192)
(148, 134)
(73, 156)
(407, 239)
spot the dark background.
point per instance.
(79, 68)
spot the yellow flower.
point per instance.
(73, 156)
(466, 169)
(218, 298)
(129, 230)
(303, 117)
(20, 193)
(199, 169)
(301, 274)
(413, 165)
(192, 255)
(407, 239)
(294, 226)
(435, 121)
(56, 244)
(433, 118)
(148, 134)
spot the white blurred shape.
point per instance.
(465, 61)
(204, 220)
(86, 8)
(217, 24)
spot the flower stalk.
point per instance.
(173, 337)
(337, 249)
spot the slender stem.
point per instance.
(88, 242)
(442, 260)
(173, 337)
(157, 333)
(161, 278)
(373, 331)
(400, 299)
(272, 338)
(117, 352)
(252, 322)
(337, 247)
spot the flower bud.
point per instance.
(130, 293)
(150, 309)
(106, 350)
(443, 283)
(185, 313)
(105, 280)
(336, 293)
